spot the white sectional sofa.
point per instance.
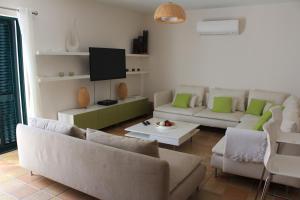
(239, 126)
(200, 114)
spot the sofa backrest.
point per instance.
(98, 170)
(198, 91)
(274, 97)
(239, 95)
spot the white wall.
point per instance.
(266, 55)
(98, 25)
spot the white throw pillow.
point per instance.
(267, 107)
(207, 99)
(50, 125)
(194, 90)
(234, 104)
(291, 101)
(290, 116)
(238, 95)
(288, 126)
(193, 101)
(275, 97)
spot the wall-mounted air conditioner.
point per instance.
(219, 27)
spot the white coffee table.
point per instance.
(182, 132)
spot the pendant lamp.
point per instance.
(170, 13)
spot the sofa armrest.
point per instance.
(289, 138)
(289, 143)
(244, 145)
(161, 98)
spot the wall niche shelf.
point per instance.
(77, 77)
(64, 78)
(65, 53)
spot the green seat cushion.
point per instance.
(222, 105)
(262, 120)
(182, 100)
(256, 107)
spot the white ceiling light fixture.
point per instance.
(170, 13)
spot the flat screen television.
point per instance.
(106, 64)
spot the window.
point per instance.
(12, 98)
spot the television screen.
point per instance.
(106, 63)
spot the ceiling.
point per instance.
(148, 6)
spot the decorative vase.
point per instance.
(72, 40)
(83, 97)
(122, 91)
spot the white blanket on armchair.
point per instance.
(244, 145)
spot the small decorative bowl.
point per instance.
(165, 128)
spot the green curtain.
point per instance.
(12, 101)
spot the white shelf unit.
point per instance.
(44, 79)
(61, 53)
(77, 77)
(137, 73)
(64, 78)
(64, 53)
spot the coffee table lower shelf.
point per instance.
(165, 140)
(139, 135)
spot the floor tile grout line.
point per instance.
(6, 193)
(34, 187)
(44, 189)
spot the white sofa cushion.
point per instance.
(194, 90)
(239, 95)
(206, 113)
(248, 121)
(149, 148)
(168, 108)
(249, 125)
(274, 97)
(248, 117)
(178, 171)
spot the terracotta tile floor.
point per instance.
(16, 182)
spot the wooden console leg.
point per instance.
(31, 173)
(216, 172)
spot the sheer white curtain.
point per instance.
(30, 66)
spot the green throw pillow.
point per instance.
(265, 118)
(256, 107)
(222, 105)
(262, 120)
(182, 100)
